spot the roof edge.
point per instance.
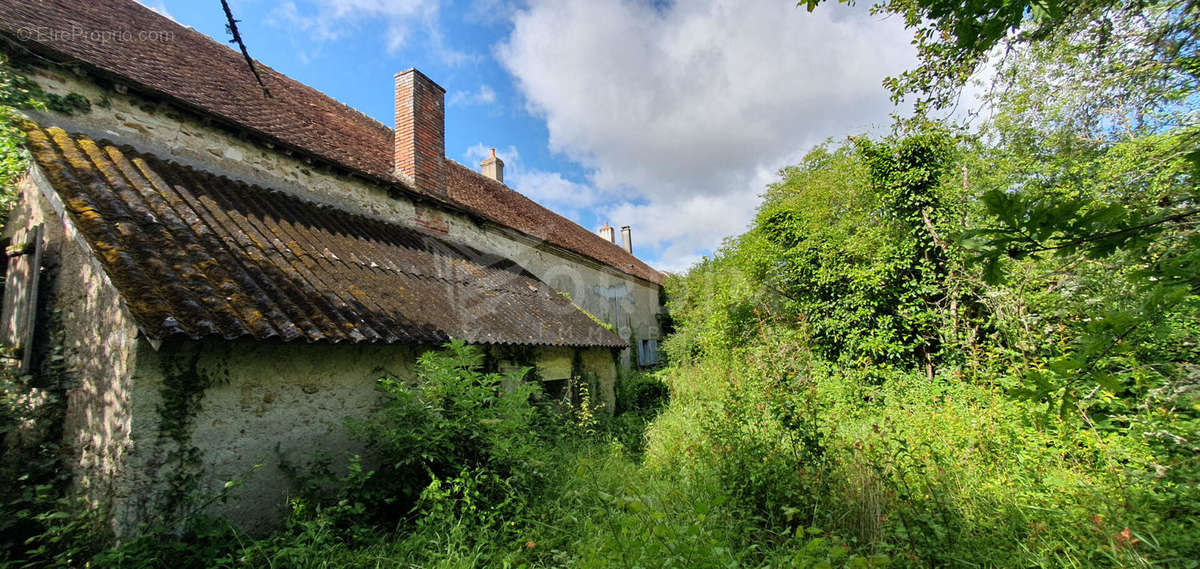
(107, 79)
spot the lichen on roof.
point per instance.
(194, 254)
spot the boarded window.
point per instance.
(21, 293)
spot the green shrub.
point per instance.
(641, 393)
(454, 420)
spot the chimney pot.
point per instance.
(420, 133)
(607, 233)
(493, 167)
(626, 239)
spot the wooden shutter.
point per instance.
(21, 294)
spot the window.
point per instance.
(648, 354)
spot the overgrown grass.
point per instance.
(754, 462)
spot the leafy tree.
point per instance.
(1156, 40)
(1088, 159)
(850, 238)
(1089, 174)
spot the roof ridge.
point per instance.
(186, 70)
(596, 238)
(499, 184)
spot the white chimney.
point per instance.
(607, 233)
(626, 239)
(493, 167)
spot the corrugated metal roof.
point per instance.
(194, 254)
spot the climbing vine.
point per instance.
(18, 91)
(182, 392)
(868, 293)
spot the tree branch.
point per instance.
(237, 38)
(1092, 238)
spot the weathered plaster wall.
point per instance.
(97, 338)
(628, 303)
(599, 367)
(246, 407)
(253, 406)
(596, 366)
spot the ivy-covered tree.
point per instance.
(850, 238)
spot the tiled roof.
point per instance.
(194, 255)
(480, 192)
(199, 73)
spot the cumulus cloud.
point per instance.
(691, 107)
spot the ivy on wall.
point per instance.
(18, 91)
(184, 383)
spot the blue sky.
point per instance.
(671, 117)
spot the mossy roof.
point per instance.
(194, 254)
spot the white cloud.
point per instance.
(554, 191)
(328, 20)
(485, 95)
(551, 189)
(679, 228)
(693, 106)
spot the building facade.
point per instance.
(225, 276)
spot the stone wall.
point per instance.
(83, 316)
(628, 303)
(215, 411)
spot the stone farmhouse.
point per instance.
(221, 277)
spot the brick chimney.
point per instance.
(420, 141)
(607, 233)
(626, 239)
(493, 167)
